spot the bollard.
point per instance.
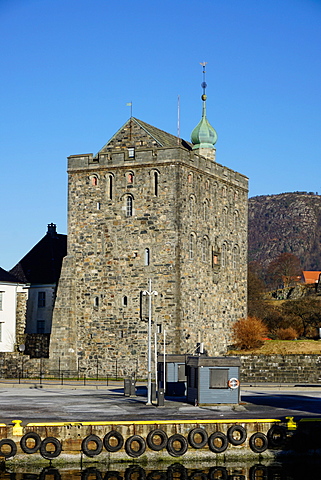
(153, 392)
(132, 388)
(161, 397)
(127, 387)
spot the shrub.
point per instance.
(286, 333)
(248, 333)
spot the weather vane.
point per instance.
(204, 84)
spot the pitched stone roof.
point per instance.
(7, 277)
(138, 133)
(43, 263)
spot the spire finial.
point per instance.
(204, 84)
(204, 135)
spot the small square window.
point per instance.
(40, 326)
(218, 378)
(41, 299)
(131, 152)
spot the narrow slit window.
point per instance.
(110, 187)
(147, 256)
(156, 184)
(125, 301)
(129, 206)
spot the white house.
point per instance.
(12, 309)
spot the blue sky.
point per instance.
(68, 68)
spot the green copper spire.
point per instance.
(204, 135)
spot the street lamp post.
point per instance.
(149, 341)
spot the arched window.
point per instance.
(192, 202)
(192, 242)
(205, 210)
(190, 178)
(110, 186)
(236, 257)
(224, 255)
(225, 217)
(129, 206)
(130, 177)
(236, 220)
(224, 191)
(205, 249)
(96, 302)
(156, 174)
(94, 180)
(147, 256)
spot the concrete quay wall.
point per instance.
(71, 435)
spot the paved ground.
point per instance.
(75, 402)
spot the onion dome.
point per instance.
(204, 135)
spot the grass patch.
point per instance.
(283, 347)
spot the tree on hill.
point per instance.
(256, 306)
(303, 314)
(283, 270)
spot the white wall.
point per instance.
(8, 316)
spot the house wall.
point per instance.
(39, 316)
(8, 312)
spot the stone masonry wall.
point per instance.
(281, 368)
(187, 232)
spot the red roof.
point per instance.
(311, 277)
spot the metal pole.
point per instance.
(149, 347)
(149, 363)
(156, 376)
(164, 376)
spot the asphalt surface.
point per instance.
(78, 403)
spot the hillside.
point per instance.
(288, 222)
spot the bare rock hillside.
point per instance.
(288, 222)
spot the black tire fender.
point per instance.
(212, 474)
(139, 472)
(253, 442)
(170, 445)
(89, 472)
(11, 444)
(258, 472)
(51, 472)
(211, 442)
(43, 448)
(177, 471)
(156, 433)
(276, 436)
(202, 433)
(197, 475)
(23, 442)
(113, 474)
(119, 438)
(239, 429)
(89, 451)
(157, 475)
(128, 446)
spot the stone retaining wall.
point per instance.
(281, 368)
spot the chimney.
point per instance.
(52, 230)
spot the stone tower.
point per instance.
(150, 205)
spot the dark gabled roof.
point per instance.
(133, 129)
(163, 138)
(7, 277)
(43, 263)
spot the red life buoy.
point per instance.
(233, 383)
